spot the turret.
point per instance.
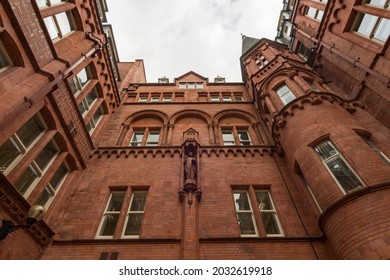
(326, 141)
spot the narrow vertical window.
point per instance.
(111, 215)
(135, 214)
(285, 94)
(338, 167)
(244, 212)
(268, 213)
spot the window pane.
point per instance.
(199, 85)
(44, 198)
(74, 85)
(137, 139)
(264, 201)
(383, 30)
(51, 27)
(83, 77)
(82, 108)
(42, 3)
(109, 224)
(191, 85)
(228, 138)
(343, 174)
(116, 201)
(9, 151)
(30, 131)
(134, 223)
(98, 114)
(182, 85)
(138, 202)
(244, 138)
(63, 22)
(246, 223)
(241, 201)
(58, 176)
(26, 179)
(380, 3)
(366, 24)
(153, 138)
(46, 155)
(326, 150)
(270, 223)
(4, 58)
(91, 98)
(311, 12)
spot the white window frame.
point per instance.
(85, 104)
(153, 143)
(98, 236)
(375, 149)
(167, 98)
(249, 141)
(77, 81)
(228, 142)
(129, 212)
(284, 95)
(38, 171)
(272, 211)
(214, 98)
(138, 143)
(58, 27)
(18, 144)
(143, 99)
(318, 14)
(337, 155)
(92, 123)
(226, 98)
(52, 191)
(245, 211)
(155, 99)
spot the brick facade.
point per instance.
(190, 168)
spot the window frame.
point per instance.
(20, 146)
(254, 224)
(282, 95)
(130, 212)
(53, 191)
(58, 27)
(271, 211)
(333, 157)
(366, 9)
(4, 54)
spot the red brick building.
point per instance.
(292, 163)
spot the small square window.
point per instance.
(199, 85)
(143, 99)
(182, 85)
(155, 99)
(215, 98)
(167, 98)
(227, 98)
(191, 85)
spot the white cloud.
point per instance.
(176, 36)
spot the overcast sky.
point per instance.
(177, 36)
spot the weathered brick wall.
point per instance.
(365, 233)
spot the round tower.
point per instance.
(324, 141)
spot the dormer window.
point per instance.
(191, 85)
(182, 85)
(163, 80)
(219, 80)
